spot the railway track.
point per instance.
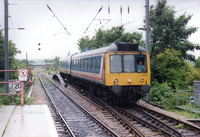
(132, 123)
(76, 119)
(61, 125)
(142, 120)
(184, 129)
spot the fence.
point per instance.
(186, 99)
(17, 86)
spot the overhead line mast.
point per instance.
(6, 50)
(147, 37)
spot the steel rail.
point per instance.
(176, 121)
(152, 126)
(57, 110)
(105, 106)
(84, 110)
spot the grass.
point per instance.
(186, 113)
(15, 99)
(180, 126)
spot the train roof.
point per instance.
(120, 46)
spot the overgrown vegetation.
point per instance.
(13, 51)
(15, 99)
(54, 64)
(169, 50)
(14, 64)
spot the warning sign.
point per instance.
(22, 75)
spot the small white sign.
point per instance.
(22, 75)
(17, 87)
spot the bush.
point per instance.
(163, 95)
(15, 99)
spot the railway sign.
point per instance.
(17, 87)
(22, 75)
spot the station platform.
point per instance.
(26, 121)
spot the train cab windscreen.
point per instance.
(115, 63)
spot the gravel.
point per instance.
(40, 98)
(168, 113)
(38, 93)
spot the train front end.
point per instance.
(127, 72)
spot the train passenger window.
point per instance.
(98, 63)
(129, 63)
(76, 64)
(84, 63)
(81, 64)
(89, 63)
(115, 64)
(93, 63)
(72, 64)
(141, 63)
(68, 64)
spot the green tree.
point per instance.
(169, 32)
(13, 51)
(48, 60)
(197, 63)
(21, 63)
(166, 62)
(106, 37)
(55, 64)
(1, 55)
(172, 69)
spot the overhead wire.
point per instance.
(93, 20)
(189, 7)
(79, 11)
(58, 20)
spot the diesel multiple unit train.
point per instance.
(119, 72)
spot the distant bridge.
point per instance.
(32, 65)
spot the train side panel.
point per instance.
(90, 68)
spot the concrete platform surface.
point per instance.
(30, 121)
(5, 114)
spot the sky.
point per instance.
(44, 31)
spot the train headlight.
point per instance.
(129, 80)
(142, 80)
(116, 80)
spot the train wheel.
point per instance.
(91, 88)
(118, 98)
